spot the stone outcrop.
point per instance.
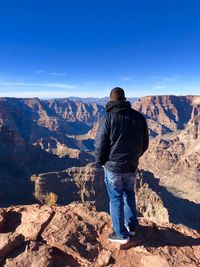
(83, 184)
(151, 205)
(76, 235)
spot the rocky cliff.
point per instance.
(40, 136)
(76, 235)
(82, 184)
(45, 122)
(166, 113)
(175, 158)
(18, 161)
(86, 185)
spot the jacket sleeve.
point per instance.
(146, 137)
(102, 141)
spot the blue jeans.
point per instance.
(120, 187)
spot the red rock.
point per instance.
(35, 254)
(32, 221)
(104, 258)
(76, 235)
(9, 242)
(153, 261)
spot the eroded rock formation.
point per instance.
(166, 113)
(83, 184)
(175, 159)
(40, 136)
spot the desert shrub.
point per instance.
(50, 199)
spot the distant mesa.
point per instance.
(101, 101)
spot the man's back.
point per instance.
(122, 137)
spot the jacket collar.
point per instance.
(118, 105)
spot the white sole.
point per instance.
(119, 241)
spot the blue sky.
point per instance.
(84, 48)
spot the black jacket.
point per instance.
(122, 137)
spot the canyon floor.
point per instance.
(76, 235)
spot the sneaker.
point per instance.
(113, 238)
(131, 230)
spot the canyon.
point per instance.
(48, 146)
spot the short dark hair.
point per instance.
(117, 94)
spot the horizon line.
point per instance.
(80, 97)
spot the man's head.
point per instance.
(117, 94)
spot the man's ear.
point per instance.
(124, 98)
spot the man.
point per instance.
(122, 138)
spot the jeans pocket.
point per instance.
(114, 179)
(129, 181)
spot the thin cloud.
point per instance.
(161, 86)
(54, 85)
(59, 74)
(156, 77)
(172, 78)
(39, 71)
(39, 94)
(16, 84)
(124, 78)
(47, 94)
(165, 78)
(60, 85)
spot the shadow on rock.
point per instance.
(151, 236)
(12, 221)
(181, 211)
